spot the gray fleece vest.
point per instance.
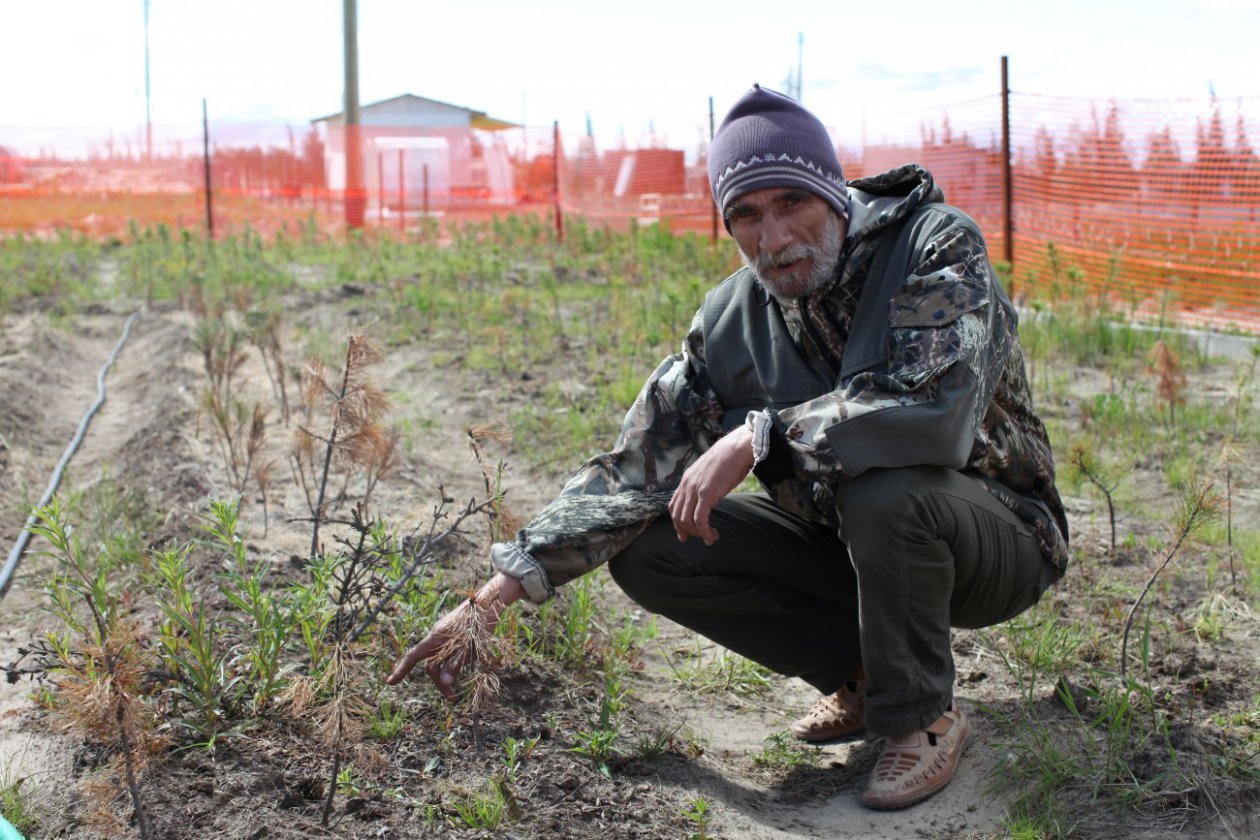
(752, 360)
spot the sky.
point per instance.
(633, 69)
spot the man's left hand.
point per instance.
(706, 482)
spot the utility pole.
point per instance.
(355, 199)
(148, 113)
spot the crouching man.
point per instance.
(866, 368)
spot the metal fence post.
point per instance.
(205, 153)
(555, 179)
(1008, 213)
(402, 194)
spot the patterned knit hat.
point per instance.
(769, 140)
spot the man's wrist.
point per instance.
(499, 592)
(772, 455)
(759, 424)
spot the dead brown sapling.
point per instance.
(472, 643)
(1171, 379)
(503, 524)
(342, 430)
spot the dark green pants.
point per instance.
(919, 550)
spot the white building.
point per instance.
(417, 149)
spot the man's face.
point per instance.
(789, 237)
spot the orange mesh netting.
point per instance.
(1149, 206)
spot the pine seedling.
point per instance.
(269, 614)
(264, 333)
(1232, 449)
(1087, 466)
(98, 666)
(1199, 505)
(1229, 451)
(189, 645)
(344, 597)
(1243, 381)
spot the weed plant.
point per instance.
(599, 743)
(266, 616)
(698, 814)
(189, 646)
(485, 810)
(515, 752)
(783, 752)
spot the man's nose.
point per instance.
(776, 234)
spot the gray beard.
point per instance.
(825, 259)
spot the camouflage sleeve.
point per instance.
(614, 496)
(948, 343)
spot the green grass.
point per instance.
(784, 752)
(387, 720)
(707, 668)
(17, 804)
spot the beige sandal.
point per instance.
(915, 766)
(837, 716)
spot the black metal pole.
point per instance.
(1008, 215)
(205, 152)
(555, 183)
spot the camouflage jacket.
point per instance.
(909, 356)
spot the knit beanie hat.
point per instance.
(770, 140)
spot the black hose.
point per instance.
(15, 556)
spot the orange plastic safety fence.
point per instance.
(1150, 207)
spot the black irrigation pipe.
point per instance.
(15, 556)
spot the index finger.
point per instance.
(418, 653)
(701, 526)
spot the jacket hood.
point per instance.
(881, 200)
